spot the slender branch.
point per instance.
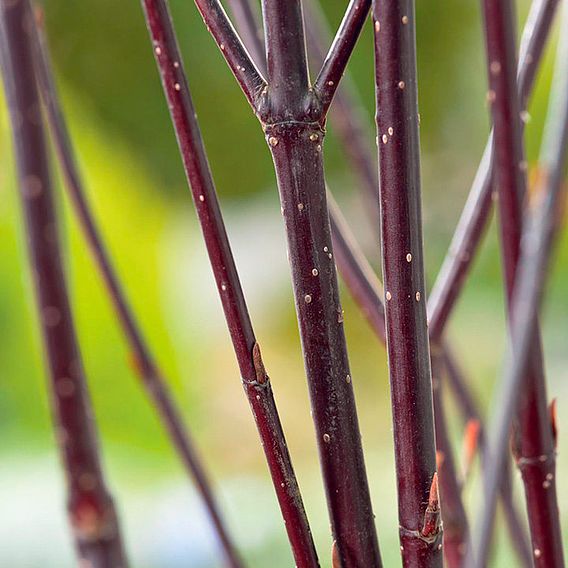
(340, 51)
(356, 271)
(471, 226)
(403, 270)
(156, 387)
(248, 25)
(348, 116)
(245, 71)
(90, 507)
(255, 380)
(537, 241)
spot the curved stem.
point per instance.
(91, 510)
(152, 377)
(255, 380)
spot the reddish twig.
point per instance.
(255, 380)
(248, 25)
(153, 381)
(91, 510)
(533, 443)
(292, 119)
(348, 116)
(245, 71)
(340, 51)
(471, 226)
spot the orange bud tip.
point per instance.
(335, 559)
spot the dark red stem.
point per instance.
(255, 380)
(92, 514)
(472, 223)
(403, 276)
(153, 381)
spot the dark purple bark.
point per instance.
(403, 276)
(152, 378)
(90, 507)
(255, 380)
(297, 158)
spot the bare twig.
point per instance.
(153, 381)
(245, 71)
(533, 442)
(367, 291)
(91, 510)
(343, 44)
(349, 118)
(471, 226)
(248, 25)
(255, 380)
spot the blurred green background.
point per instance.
(128, 155)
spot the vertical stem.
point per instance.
(153, 381)
(523, 387)
(255, 380)
(90, 507)
(403, 271)
(295, 135)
